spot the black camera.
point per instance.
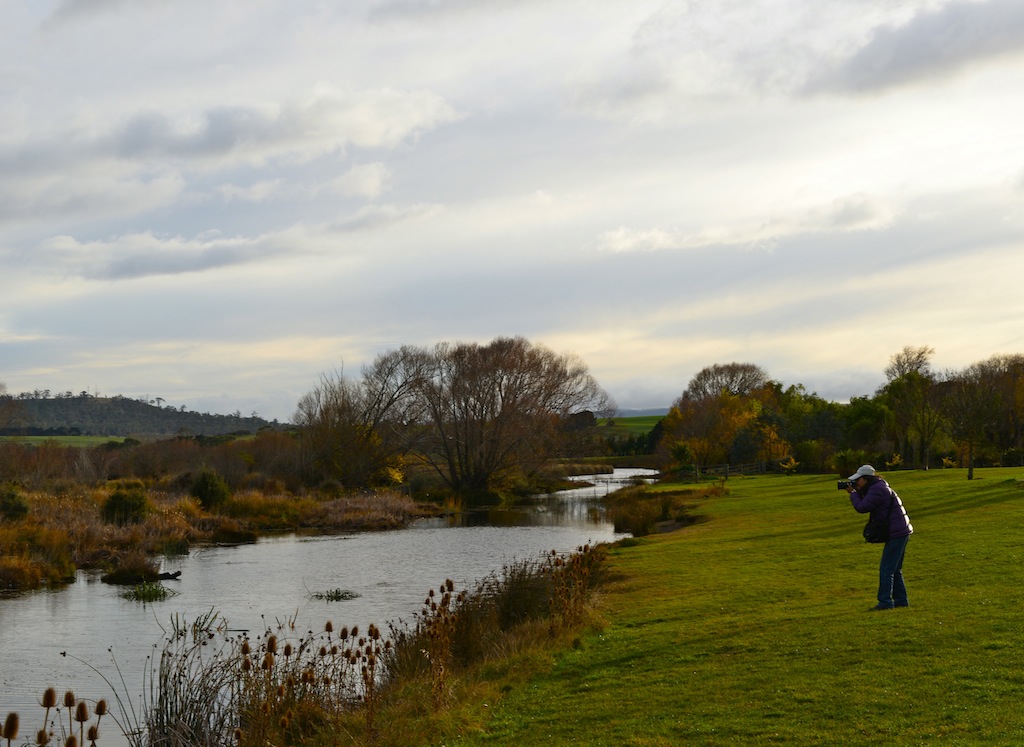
(844, 485)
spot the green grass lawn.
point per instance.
(753, 627)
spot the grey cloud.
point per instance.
(71, 9)
(145, 255)
(395, 9)
(374, 217)
(932, 44)
(370, 119)
(223, 130)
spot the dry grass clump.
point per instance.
(47, 536)
(642, 509)
(376, 510)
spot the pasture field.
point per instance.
(752, 627)
(638, 425)
(81, 441)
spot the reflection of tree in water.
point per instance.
(576, 506)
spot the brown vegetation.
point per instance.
(64, 531)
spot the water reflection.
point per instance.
(578, 507)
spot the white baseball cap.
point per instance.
(863, 471)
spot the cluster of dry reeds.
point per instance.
(79, 730)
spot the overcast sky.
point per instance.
(215, 201)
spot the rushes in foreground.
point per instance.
(214, 686)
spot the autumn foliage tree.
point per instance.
(720, 417)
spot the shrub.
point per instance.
(210, 490)
(126, 505)
(12, 504)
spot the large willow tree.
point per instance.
(480, 416)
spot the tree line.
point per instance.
(478, 419)
(39, 413)
(920, 418)
(474, 419)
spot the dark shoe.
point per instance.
(902, 605)
(878, 608)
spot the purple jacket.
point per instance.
(875, 499)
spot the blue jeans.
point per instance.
(892, 592)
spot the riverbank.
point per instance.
(47, 536)
(752, 628)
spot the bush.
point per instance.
(12, 505)
(210, 490)
(126, 505)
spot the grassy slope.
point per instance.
(753, 628)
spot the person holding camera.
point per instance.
(869, 493)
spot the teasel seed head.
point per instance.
(49, 698)
(272, 644)
(101, 707)
(287, 650)
(71, 741)
(246, 664)
(449, 584)
(11, 727)
(268, 661)
(354, 632)
(329, 627)
(42, 738)
(69, 699)
(245, 647)
(280, 691)
(82, 712)
(238, 735)
(93, 733)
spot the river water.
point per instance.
(270, 582)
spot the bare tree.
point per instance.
(910, 359)
(970, 407)
(496, 411)
(739, 379)
(479, 416)
(910, 396)
(339, 441)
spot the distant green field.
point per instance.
(639, 425)
(85, 441)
